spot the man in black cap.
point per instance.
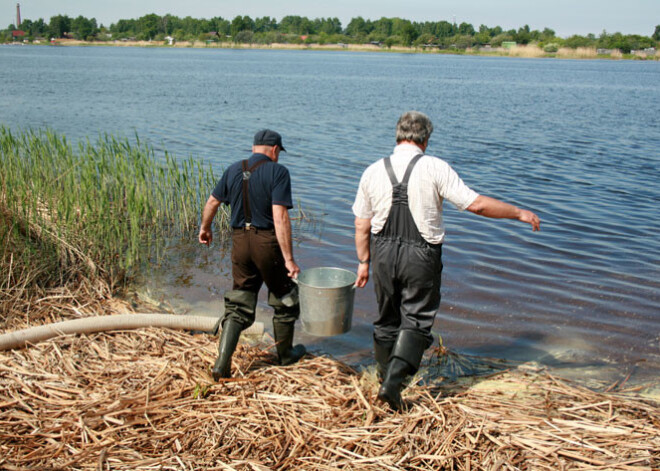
(258, 190)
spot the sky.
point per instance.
(565, 17)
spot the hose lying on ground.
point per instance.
(32, 335)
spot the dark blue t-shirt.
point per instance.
(268, 185)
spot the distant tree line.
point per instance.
(59, 26)
(300, 29)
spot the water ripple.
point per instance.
(576, 141)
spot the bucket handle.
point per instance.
(295, 280)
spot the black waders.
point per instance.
(382, 353)
(407, 277)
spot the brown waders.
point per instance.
(256, 259)
(406, 271)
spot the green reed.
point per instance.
(109, 205)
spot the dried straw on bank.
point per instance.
(145, 400)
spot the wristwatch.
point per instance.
(363, 261)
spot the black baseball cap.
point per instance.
(266, 137)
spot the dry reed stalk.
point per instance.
(616, 54)
(577, 53)
(526, 51)
(25, 306)
(145, 400)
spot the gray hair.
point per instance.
(413, 126)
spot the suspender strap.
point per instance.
(406, 176)
(247, 173)
(412, 163)
(390, 172)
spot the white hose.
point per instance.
(32, 335)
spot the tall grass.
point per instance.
(526, 51)
(94, 212)
(577, 53)
(616, 54)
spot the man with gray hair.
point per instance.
(399, 232)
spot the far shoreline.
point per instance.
(529, 51)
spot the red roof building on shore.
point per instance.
(17, 33)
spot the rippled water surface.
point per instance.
(576, 141)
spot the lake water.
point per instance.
(576, 141)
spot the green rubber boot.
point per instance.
(284, 320)
(286, 352)
(231, 331)
(240, 306)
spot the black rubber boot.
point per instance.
(231, 331)
(286, 352)
(382, 353)
(406, 357)
(390, 391)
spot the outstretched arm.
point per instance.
(283, 233)
(494, 208)
(363, 248)
(210, 209)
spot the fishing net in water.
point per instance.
(446, 365)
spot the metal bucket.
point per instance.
(326, 300)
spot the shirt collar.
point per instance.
(407, 149)
(256, 157)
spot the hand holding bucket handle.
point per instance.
(295, 280)
(292, 268)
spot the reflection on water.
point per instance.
(576, 141)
